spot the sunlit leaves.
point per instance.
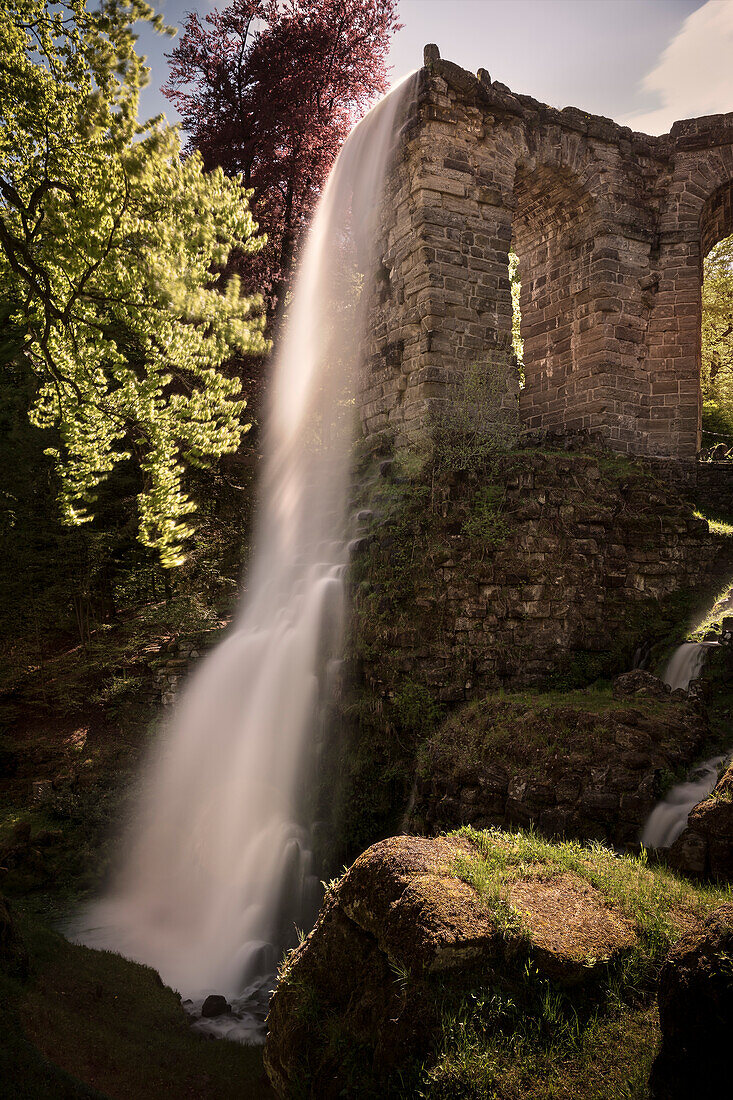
(717, 341)
(109, 244)
(269, 91)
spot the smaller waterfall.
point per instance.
(669, 817)
(685, 665)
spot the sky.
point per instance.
(644, 63)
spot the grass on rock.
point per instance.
(541, 1040)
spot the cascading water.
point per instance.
(669, 817)
(685, 665)
(218, 866)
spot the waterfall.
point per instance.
(685, 665)
(218, 868)
(669, 817)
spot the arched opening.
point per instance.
(715, 465)
(716, 365)
(552, 237)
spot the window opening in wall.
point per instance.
(717, 351)
(517, 342)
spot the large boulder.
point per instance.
(705, 847)
(361, 995)
(589, 766)
(696, 1012)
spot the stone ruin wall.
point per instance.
(610, 227)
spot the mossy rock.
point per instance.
(531, 948)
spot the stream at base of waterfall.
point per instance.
(217, 872)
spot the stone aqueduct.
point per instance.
(610, 226)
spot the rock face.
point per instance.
(695, 1011)
(215, 1005)
(705, 847)
(639, 684)
(401, 923)
(591, 772)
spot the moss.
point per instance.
(658, 902)
(415, 707)
(709, 619)
(717, 525)
(486, 524)
(543, 1041)
(530, 731)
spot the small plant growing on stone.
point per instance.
(415, 706)
(474, 422)
(486, 522)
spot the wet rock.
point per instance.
(215, 1005)
(704, 849)
(695, 1012)
(358, 546)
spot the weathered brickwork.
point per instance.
(713, 492)
(610, 228)
(586, 556)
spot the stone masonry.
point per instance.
(610, 227)
(584, 568)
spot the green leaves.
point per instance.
(109, 247)
(717, 344)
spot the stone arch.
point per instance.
(716, 223)
(696, 213)
(716, 218)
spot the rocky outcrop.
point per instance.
(705, 847)
(640, 684)
(695, 1011)
(362, 993)
(593, 767)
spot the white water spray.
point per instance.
(685, 665)
(218, 867)
(669, 817)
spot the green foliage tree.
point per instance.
(109, 244)
(515, 284)
(717, 344)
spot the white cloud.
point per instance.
(694, 75)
